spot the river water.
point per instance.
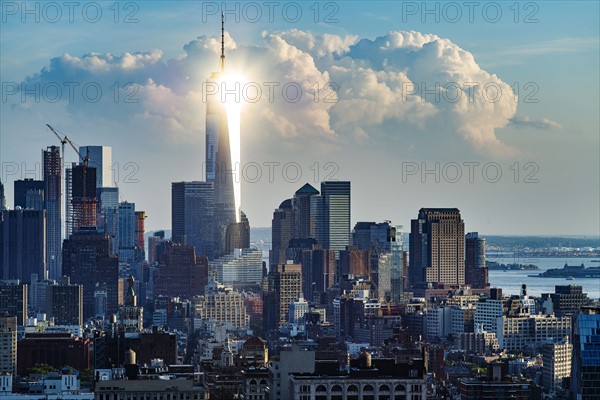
(510, 281)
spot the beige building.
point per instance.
(220, 305)
(285, 281)
(556, 357)
(529, 332)
(8, 345)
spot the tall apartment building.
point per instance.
(556, 357)
(13, 299)
(437, 247)
(64, 303)
(8, 344)
(487, 312)
(284, 285)
(52, 171)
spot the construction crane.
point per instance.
(85, 161)
(64, 140)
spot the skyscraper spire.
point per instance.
(222, 41)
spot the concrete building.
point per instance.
(556, 357)
(528, 332)
(220, 305)
(239, 267)
(87, 261)
(181, 273)
(64, 303)
(366, 379)
(56, 349)
(487, 312)
(291, 361)
(437, 247)
(284, 285)
(8, 345)
(13, 299)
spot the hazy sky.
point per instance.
(490, 107)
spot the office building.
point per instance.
(22, 244)
(556, 360)
(108, 217)
(2, 198)
(193, 216)
(157, 246)
(87, 261)
(64, 303)
(304, 212)
(29, 193)
(568, 299)
(333, 221)
(366, 378)
(528, 332)
(437, 247)
(181, 273)
(222, 162)
(281, 231)
(240, 267)
(476, 272)
(13, 299)
(100, 158)
(238, 235)
(585, 362)
(52, 166)
(284, 285)
(219, 305)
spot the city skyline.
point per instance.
(157, 140)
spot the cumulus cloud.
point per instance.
(350, 87)
(524, 121)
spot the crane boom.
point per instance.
(64, 140)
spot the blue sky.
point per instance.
(552, 138)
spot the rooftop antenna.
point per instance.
(222, 41)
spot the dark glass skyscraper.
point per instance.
(281, 232)
(29, 193)
(476, 272)
(22, 244)
(193, 216)
(222, 158)
(51, 162)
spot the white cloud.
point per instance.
(405, 81)
(524, 121)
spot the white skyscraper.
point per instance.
(101, 159)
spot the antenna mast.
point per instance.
(222, 41)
